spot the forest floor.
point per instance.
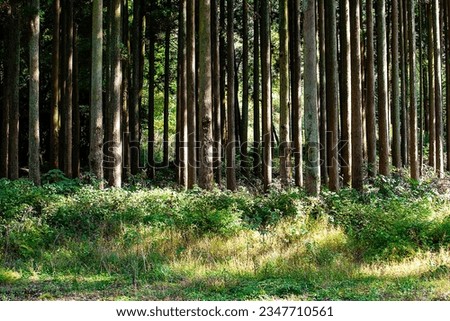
(69, 241)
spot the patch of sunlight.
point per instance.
(8, 276)
(419, 265)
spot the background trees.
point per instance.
(224, 62)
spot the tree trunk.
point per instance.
(447, 78)
(217, 98)
(431, 87)
(34, 138)
(412, 94)
(322, 94)
(68, 91)
(357, 156)
(345, 92)
(76, 109)
(166, 91)
(55, 117)
(403, 88)
(311, 117)
(383, 118)
(191, 95)
(205, 97)
(96, 120)
(182, 111)
(266, 93)
(370, 94)
(297, 94)
(151, 103)
(438, 90)
(115, 140)
(396, 134)
(231, 100)
(332, 101)
(126, 69)
(285, 145)
(256, 91)
(243, 125)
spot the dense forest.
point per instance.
(310, 93)
(224, 150)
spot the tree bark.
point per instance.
(205, 98)
(182, 108)
(231, 100)
(34, 138)
(438, 90)
(115, 141)
(76, 110)
(332, 101)
(256, 91)
(413, 156)
(217, 98)
(383, 119)
(370, 94)
(322, 94)
(166, 91)
(96, 120)
(396, 129)
(311, 117)
(357, 155)
(285, 144)
(345, 92)
(432, 91)
(55, 121)
(266, 93)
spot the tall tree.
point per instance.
(431, 88)
(245, 89)
(166, 87)
(285, 153)
(332, 88)
(266, 93)
(297, 94)
(370, 94)
(256, 89)
(55, 121)
(322, 93)
(96, 120)
(136, 91)
(438, 89)
(191, 93)
(205, 97)
(396, 134)
(68, 88)
(413, 154)
(151, 98)
(115, 140)
(34, 137)
(447, 78)
(357, 151)
(217, 98)
(311, 117)
(231, 100)
(383, 119)
(182, 86)
(345, 91)
(76, 108)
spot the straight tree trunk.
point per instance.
(191, 94)
(126, 172)
(55, 121)
(438, 90)
(256, 91)
(151, 103)
(136, 91)
(370, 94)
(245, 90)
(383, 95)
(68, 91)
(34, 138)
(166, 91)
(447, 78)
(205, 97)
(217, 98)
(266, 93)
(413, 155)
(182, 108)
(322, 94)
(115, 141)
(345, 92)
(285, 148)
(96, 120)
(403, 87)
(76, 109)
(311, 117)
(357, 140)
(297, 94)
(432, 91)
(396, 129)
(231, 100)
(332, 100)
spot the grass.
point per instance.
(390, 243)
